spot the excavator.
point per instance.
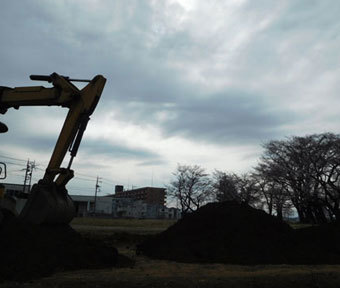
(48, 201)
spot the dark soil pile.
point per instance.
(234, 233)
(32, 251)
(316, 245)
(226, 232)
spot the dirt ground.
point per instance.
(146, 272)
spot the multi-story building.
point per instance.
(149, 195)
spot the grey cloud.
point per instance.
(224, 120)
(29, 143)
(152, 163)
(25, 128)
(229, 118)
(46, 144)
(298, 28)
(100, 146)
(49, 36)
(309, 15)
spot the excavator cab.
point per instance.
(48, 201)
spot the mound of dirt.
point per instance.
(32, 251)
(226, 232)
(234, 233)
(316, 245)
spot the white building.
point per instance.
(130, 208)
(86, 205)
(15, 196)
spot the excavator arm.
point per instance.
(61, 94)
(49, 201)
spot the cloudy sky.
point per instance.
(189, 82)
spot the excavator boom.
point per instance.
(49, 201)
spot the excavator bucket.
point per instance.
(48, 204)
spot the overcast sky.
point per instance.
(189, 82)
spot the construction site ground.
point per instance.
(142, 271)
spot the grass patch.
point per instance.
(135, 223)
(300, 225)
(109, 225)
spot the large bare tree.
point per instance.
(273, 191)
(191, 187)
(307, 169)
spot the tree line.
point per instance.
(300, 174)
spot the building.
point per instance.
(122, 208)
(130, 208)
(149, 195)
(16, 196)
(15, 190)
(174, 213)
(86, 205)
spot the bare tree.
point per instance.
(225, 186)
(230, 186)
(274, 193)
(248, 190)
(325, 158)
(307, 169)
(191, 186)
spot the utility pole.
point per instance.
(26, 174)
(31, 172)
(97, 190)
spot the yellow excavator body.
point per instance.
(48, 201)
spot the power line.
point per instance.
(38, 163)
(89, 178)
(80, 189)
(92, 178)
(18, 170)
(86, 175)
(108, 182)
(15, 174)
(39, 168)
(22, 165)
(17, 159)
(84, 179)
(12, 158)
